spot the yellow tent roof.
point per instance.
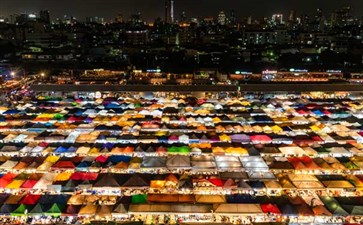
(88, 209)
(276, 129)
(15, 184)
(45, 166)
(225, 137)
(138, 116)
(236, 150)
(76, 200)
(62, 176)
(315, 128)
(52, 159)
(157, 183)
(210, 198)
(216, 120)
(218, 150)
(94, 150)
(201, 111)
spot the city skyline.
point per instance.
(155, 8)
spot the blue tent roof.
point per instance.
(163, 139)
(61, 149)
(72, 149)
(318, 112)
(241, 198)
(84, 164)
(118, 158)
(11, 111)
(79, 112)
(256, 184)
(288, 209)
(6, 209)
(112, 105)
(108, 145)
(49, 199)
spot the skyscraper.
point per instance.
(183, 17)
(172, 11)
(45, 16)
(119, 18)
(166, 16)
(169, 11)
(222, 18)
(292, 16)
(277, 19)
(232, 16)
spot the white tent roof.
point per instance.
(302, 177)
(292, 150)
(308, 184)
(238, 209)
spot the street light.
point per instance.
(12, 73)
(42, 74)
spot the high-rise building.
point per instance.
(95, 19)
(277, 19)
(166, 7)
(232, 16)
(44, 16)
(171, 11)
(292, 16)
(135, 19)
(119, 18)
(249, 20)
(183, 17)
(341, 17)
(318, 15)
(166, 11)
(222, 18)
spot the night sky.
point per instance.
(154, 8)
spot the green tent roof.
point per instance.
(37, 210)
(20, 211)
(181, 149)
(55, 210)
(139, 199)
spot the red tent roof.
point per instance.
(302, 112)
(4, 182)
(216, 181)
(293, 159)
(30, 199)
(29, 184)
(84, 176)
(43, 144)
(9, 176)
(305, 159)
(270, 208)
(64, 164)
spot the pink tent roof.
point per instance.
(29, 184)
(173, 138)
(302, 112)
(101, 158)
(260, 138)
